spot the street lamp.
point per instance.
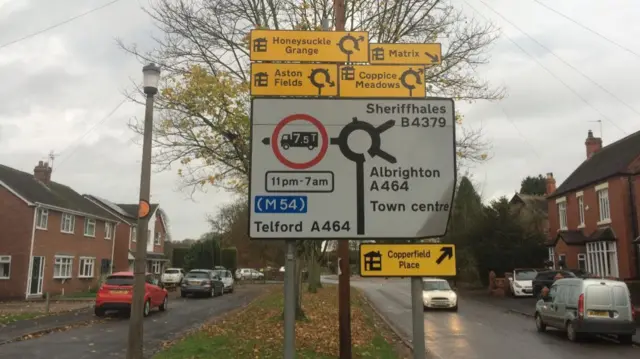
(140, 308)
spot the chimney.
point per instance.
(42, 172)
(551, 184)
(593, 144)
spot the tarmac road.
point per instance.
(480, 330)
(109, 340)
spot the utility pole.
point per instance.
(344, 278)
(140, 309)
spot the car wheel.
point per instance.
(571, 333)
(147, 308)
(540, 324)
(183, 294)
(455, 309)
(625, 339)
(231, 290)
(99, 312)
(212, 292)
(165, 304)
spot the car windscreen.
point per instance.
(172, 271)
(119, 280)
(436, 285)
(219, 273)
(202, 275)
(525, 274)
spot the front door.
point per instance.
(37, 275)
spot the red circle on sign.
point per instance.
(304, 165)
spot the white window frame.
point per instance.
(133, 233)
(552, 256)
(108, 230)
(65, 262)
(83, 263)
(562, 215)
(582, 258)
(580, 200)
(156, 239)
(156, 266)
(88, 223)
(42, 215)
(604, 204)
(5, 260)
(72, 223)
(602, 258)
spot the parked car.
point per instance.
(201, 281)
(588, 306)
(546, 278)
(227, 279)
(116, 294)
(248, 273)
(172, 276)
(436, 293)
(521, 282)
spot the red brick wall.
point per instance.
(570, 252)
(619, 207)
(16, 223)
(50, 242)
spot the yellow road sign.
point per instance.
(283, 79)
(405, 54)
(309, 46)
(407, 260)
(382, 81)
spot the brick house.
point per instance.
(125, 245)
(594, 213)
(52, 239)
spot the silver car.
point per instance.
(201, 281)
(587, 306)
(227, 279)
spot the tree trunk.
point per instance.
(298, 283)
(311, 267)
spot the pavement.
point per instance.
(108, 339)
(481, 330)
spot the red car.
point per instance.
(116, 294)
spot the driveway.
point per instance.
(109, 339)
(480, 330)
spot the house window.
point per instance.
(133, 234)
(86, 267)
(108, 230)
(5, 267)
(156, 239)
(603, 204)
(552, 257)
(62, 267)
(89, 227)
(602, 259)
(582, 261)
(68, 223)
(562, 214)
(581, 210)
(155, 267)
(105, 266)
(562, 260)
(42, 218)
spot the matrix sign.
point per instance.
(351, 168)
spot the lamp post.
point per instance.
(139, 309)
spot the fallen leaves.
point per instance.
(258, 330)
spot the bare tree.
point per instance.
(205, 54)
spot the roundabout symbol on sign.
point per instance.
(276, 135)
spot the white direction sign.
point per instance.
(351, 168)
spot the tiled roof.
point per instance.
(54, 194)
(132, 209)
(571, 237)
(602, 234)
(611, 160)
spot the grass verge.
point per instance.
(9, 318)
(257, 332)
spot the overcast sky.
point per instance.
(58, 87)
